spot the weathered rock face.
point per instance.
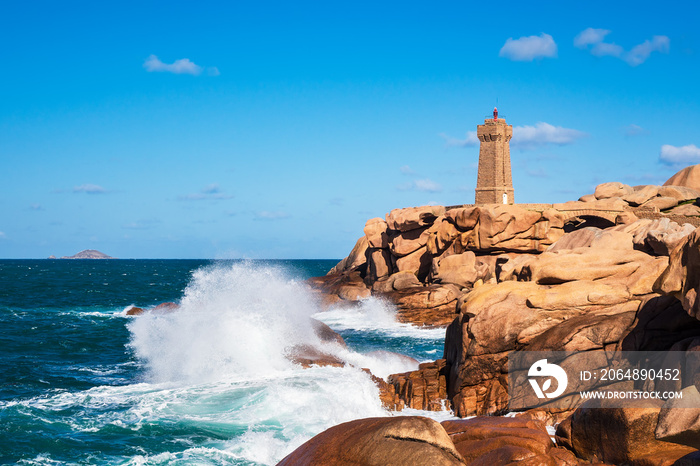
(462, 270)
(425, 388)
(582, 299)
(356, 259)
(614, 204)
(413, 217)
(462, 246)
(658, 236)
(682, 193)
(626, 272)
(613, 189)
(379, 441)
(508, 278)
(501, 440)
(411, 440)
(600, 431)
(506, 228)
(420, 247)
(432, 305)
(348, 286)
(688, 177)
(679, 419)
(376, 233)
(682, 278)
(687, 210)
(619, 197)
(640, 195)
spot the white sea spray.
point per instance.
(216, 385)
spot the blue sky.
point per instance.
(276, 129)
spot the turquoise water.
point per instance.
(82, 383)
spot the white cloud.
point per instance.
(181, 66)
(590, 36)
(470, 140)
(211, 189)
(209, 192)
(143, 224)
(636, 56)
(36, 207)
(641, 52)
(603, 49)
(529, 48)
(406, 170)
(673, 155)
(634, 130)
(267, 215)
(89, 189)
(425, 185)
(538, 173)
(3, 235)
(528, 137)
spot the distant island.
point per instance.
(87, 254)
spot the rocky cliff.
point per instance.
(616, 270)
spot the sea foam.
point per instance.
(233, 321)
(210, 383)
(219, 362)
(220, 359)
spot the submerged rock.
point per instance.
(162, 308)
(308, 355)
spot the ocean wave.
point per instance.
(215, 385)
(376, 315)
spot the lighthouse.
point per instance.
(494, 183)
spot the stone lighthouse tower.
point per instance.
(494, 184)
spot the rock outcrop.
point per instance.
(616, 270)
(682, 278)
(679, 419)
(506, 440)
(162, 308)
(379, 441)
(462, 247)
(602, 431)
(419, 441)
(688, 177)
(425, 388)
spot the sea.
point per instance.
(81, 382)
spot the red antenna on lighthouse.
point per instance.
(495, 114)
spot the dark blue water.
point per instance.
(82, 383)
